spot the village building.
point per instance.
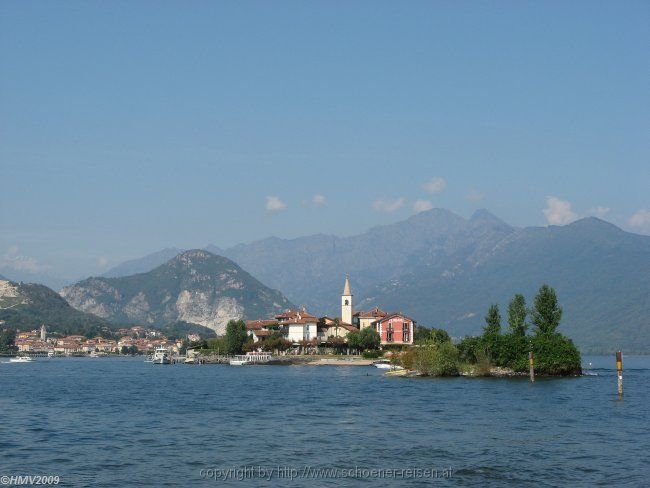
(298, 325)
(366, 319)
(261, 329)
(395, 328)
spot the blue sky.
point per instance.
(126, 127)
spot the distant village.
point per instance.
(134, 340)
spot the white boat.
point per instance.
(385, 364)
(21, 359)
(50, 354)
(238, 362)
(161, 356)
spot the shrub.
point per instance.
(372, 354)
(436, 359)
(468, 349)
(512, 352)
(407, 359)
(556, 355)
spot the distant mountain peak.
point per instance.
(484, 215)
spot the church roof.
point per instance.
(346, 288)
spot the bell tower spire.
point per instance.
(346, 302)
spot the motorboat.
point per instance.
(161, 356)
(21, 359)
(386, 364)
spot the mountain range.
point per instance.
(445, 270)
(195, 287)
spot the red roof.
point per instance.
(371, 314)
(393, 315)
(290, 314)
(259, 324)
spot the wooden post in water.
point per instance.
(619, 372)
(531, 360)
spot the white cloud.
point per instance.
(102, 262)
(558, 212)
(319, 200)
(274, 204)
(388, 206)
(14, 260)
(474, 195)
(641, 220)
(436, 185)
(599, 212)
(422, 206)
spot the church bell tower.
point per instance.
(346, 303)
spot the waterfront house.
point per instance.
(395, 328)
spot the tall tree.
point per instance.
(369, 338)
(517, 315)
(439, 336)
(546, 313)
(492, 321)
(236, 336)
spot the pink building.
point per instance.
(395, 328)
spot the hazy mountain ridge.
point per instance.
(194, 286)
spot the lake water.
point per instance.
(122, 422)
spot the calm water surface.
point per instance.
(121, 422)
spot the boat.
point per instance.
(238, 362)
(21, 359)
(161, 356)
(385, 364)
(50, 354)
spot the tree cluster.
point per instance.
(554, 353)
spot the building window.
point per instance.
(347, 302)
(389, 332)
(405, 332)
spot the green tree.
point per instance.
(422, 334)
(236, 336)
(546, 313)
(439, 336)
(354, 340)
(369, 339)
(492, 332)
(517, 315)
(492, 321)
(8, 340)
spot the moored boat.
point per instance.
(161, 356)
